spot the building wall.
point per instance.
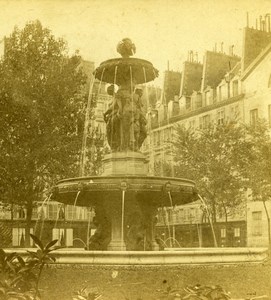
(242, 93)
(188, 226)
(257, 226)
(257, 87)
(50, 221)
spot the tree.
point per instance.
(215, 158)
(42, 104)
(258, 173)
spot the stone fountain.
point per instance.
(125, 198)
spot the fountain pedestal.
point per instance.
(125, 163)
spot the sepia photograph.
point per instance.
(135, 150)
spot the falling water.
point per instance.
(175, 242)
(132, 99)
(86, 125)
(168, 227)
(146, 89)
(46, 200)
(74, 206)
(170, 144)
(88, 231)
(85, 134)
(57, 216)
(173, 226)
(122, 218)
(156, 93)
(113, 107)
(148, 121)
(77, 239)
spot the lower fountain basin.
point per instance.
(176, 257)
(155, 189)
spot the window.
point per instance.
(223, 232)
(192, 215)
(192, 125)
(41, 212)
(237, 232)
(204, 121)
(70, 212)
(234, 112)
(235, 88)
(220, 117)
(220, 93)
(52, 211)
(257, 223)
(207, 98)
(185, 215)
(269, 115)
(61, 212)
(181, 215)
(64, 237)
(253, 116)
(257, 216)
(159, 138)
(18, 236)
(22, 213)
(174, 216)
(269, 81)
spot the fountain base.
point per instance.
(191, 256)
(124, 163)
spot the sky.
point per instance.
(163, 31)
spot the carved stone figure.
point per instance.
(126, 48)
(125, 121)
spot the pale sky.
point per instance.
(161, 30)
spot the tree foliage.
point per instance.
(42, 104)
(223, 160)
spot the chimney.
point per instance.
(256, 24)
(263, 22)
(197, 58)
(231, 50)
(222, 47)
(215, 47)
(247, 20)
(267, 22)
(260, 23)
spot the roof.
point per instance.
(256, 62)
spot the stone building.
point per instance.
(257, 224)
(224, 87)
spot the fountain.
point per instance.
(125, 197)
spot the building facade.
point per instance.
(225, 87)
(71, 225)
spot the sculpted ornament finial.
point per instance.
(126, 48)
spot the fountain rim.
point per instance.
(123, 177)
(126, 60)
(110, 65)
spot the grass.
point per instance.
(151, 283)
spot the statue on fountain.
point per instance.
(125, 121)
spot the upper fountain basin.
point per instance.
(120, 70)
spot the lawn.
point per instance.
(148, 283)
